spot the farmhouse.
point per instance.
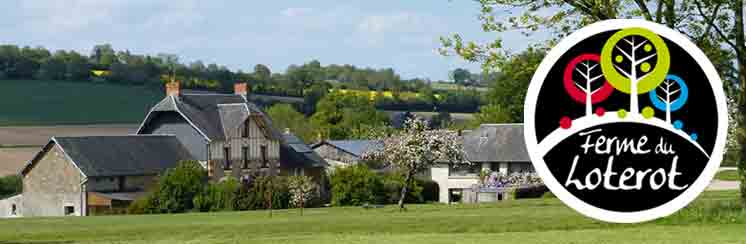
(495, 147)
(227, 134)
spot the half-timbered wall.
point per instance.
(236, 143)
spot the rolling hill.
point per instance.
(33, 102)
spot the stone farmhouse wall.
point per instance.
(53, 187)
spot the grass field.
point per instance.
(711, 219)
(731, 175)
(31, 102)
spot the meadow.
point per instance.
(32, 102)
(716, 217)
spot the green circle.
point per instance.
(651, 79)
(618, 58)
(621, 113)
(648, 112)
(647, 47)
(645, 67)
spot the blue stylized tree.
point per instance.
(670, 95)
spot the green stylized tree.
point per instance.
(635, 61)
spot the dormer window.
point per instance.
(245, 132)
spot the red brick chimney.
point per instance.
(173, 88)
(241, 88)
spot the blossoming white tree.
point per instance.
(301, 191)
(417, 148)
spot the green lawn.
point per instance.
(711, 219)
(731, 175)
(31, 102)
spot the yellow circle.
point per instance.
(645, 67)
(618, 58)
(621, 113)
(648, 112)
(648, 47)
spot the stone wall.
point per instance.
(53, 186)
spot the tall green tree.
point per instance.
(285, 116)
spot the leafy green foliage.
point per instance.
(285, 116)
(509, 89)
(177, 187)
(217, 197)
(340, 115)
(354, 185)
(10, 185)
(262, 188)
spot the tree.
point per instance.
(508, 90)
(417, 148)
(339, 115)
(285, 116)
(584, 68)
(629, 72)
(460, 76)
(675, 94)
(262, 72)
(178, 186)
(301, 191)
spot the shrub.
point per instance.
(10, 185)
(178, 187)
(144, 205)
(254, 195)
(430, 190)
(217, 196)
(354, 185)
(392, 185)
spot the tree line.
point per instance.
(310, 80)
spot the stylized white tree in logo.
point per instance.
(672, 97)
(581, 74)
(626, 60)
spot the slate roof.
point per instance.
(203, 111)
(355, 147)
(98, 156)
(496, 143)
(294, 153)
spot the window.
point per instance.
(245, 154)
(227, 156)
(263, 149)
(121, 183)
(246, 128)
(13, 210)
(521, 168)
(69, 210)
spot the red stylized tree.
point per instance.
(581, 76)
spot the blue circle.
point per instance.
(683, 90)
(693, 136)
(678, 124)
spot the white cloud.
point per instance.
(296, 12)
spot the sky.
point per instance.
(403, 35)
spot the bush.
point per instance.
(217, 197)
(531, 192)
(355, 185)
(178, 187)
(430, 190)
(10, 185)
(392, 184)
(144, 205)
(254, 195)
